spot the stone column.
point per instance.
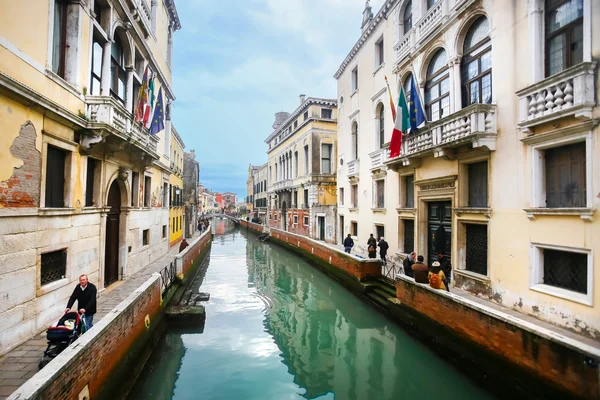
(102, 250)
(129, 90)
(536, 39)
(105, 79)
(456, 85)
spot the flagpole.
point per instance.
(392, 105)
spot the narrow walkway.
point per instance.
(21, 363)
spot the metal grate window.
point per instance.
(54, 266)
(566, 270)
(409, 235)
(477, 249)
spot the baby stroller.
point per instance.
(66, 331)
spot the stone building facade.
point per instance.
(502, 177)
(176, 206)
(82, 185)
(302, 169)
(191, 178)
(261, 198)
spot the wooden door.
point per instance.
(111, 257)
(342, 235)
(439, 230)
(321, 228)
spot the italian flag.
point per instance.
(402, 124)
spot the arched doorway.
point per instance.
(111, 252)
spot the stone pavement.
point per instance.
(20, 364)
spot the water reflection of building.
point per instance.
(326, 342)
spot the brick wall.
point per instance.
(299, 228)
(92, 360)
(553, 362)
(271, 221)
(193, 254)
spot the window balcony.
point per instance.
(379, 158)
(283, 185)
(107, 112)
(474, 125)
(143, 14)
(567, 94)
(352, 168)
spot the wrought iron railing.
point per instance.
(167, 277)
(389, 270)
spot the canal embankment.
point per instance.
(485, 339)
(115, 348)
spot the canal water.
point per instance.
(277, 328)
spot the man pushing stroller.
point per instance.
(85, 294)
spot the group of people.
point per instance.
(372, 245)
(202, 224)
(438, 275)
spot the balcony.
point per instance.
(474, 125)
(378, 158)
(107, 112)
(352, 168)
(143, 14)
(283, 185)
(568, 93)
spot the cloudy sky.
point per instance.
(237, 62)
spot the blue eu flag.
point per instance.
(158, 119)
(415, 109)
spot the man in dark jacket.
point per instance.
(445, 266)
(420, 271)
(348, 244)
(85, 294)
(408, 263)
(383, 248)
(372, 246)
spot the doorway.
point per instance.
(111, 255)
(284, 215)
(342, 236)
(321, 223)
(439, 230)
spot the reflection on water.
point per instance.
(277, 328)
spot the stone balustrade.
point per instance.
(570, 92)
(283, 184)
(352, 168)
(378, 158)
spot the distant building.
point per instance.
(229, 199)
(176, 221)
(191, 177)
(261, 197)
(250, 187)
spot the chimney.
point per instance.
(302, 98)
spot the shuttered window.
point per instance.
(55, 177)
(478, 183)
(89, 182)
(409, 191)
(565, 176)
(409, 235)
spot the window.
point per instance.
(354, 196)
(355, 79)
(89, 182)
(295, 124)
(430, 3)
(476, 67)
(296, 163)
(164, 231)
(564, 34)
(146, 237)
(381, 124)
(326, 113)
(305, 116)
(437, 88)
(407, 17)
(341, 196)
(566, 270)
(326, 158)
(476, 249)
(59, 39)
(379, 55)
(53, 266)
(98, 12)
(407, 88)
(478, 184)
(409, 191)
(305, 198)
(295, 204)
(305, 221)
(306, 160)
(380, 231)
(117, 70)
(96, 68)
(275, 215)
(55, 177)
(380, 194)
(409, 235)
(295, 220)
(147, 191)
(165, 195)
(566, 176)
(354, 228)
(355, 140)
(135, 188)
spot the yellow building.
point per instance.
(302, 169)
(82, 185)
(176, 217)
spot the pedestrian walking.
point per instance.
(348, 244)
(372, 246)
(85, 294)
(383, 248)
(446, 266)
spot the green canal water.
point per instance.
(277, 328)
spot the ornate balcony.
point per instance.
(352, 168)
(143, 14)
(474, 125)
(283, 185)
(568, 93)
(107, 112)
(379, 158)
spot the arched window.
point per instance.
(407, 86)
(380, 116)
(355, 140)
(564, 34)
(117, 70)
(476, 65)
(437, 88)
(407, 17)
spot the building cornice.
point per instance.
(174, 132)
(372, 27)
(173, 16)
(310, 101)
